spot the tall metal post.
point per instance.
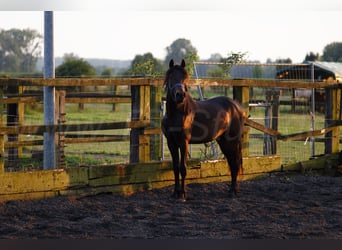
(312, 111)
(49, 92)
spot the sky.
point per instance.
(123, 29)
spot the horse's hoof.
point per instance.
(174, 195)
(179, 195)
(232, 193)
(183, 198)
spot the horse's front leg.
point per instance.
(183, 163)
(175, 164)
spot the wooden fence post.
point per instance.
(272, 97)
(12, 120)
(114, 91)
(21, 112)
(332, 112)
(241, 94)
(156, 116)
(140, 143)
(60, 119)
(2, 136)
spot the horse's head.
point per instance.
(175, 81)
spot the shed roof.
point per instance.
(333, 67)
(322, 71)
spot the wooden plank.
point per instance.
(40, 181)
(24, 99)
(140, 111)
(153, 131)
(336, 111)
(320, 163)
(127, 179)
(74, 140)
(2, 137)
(94, 99)
(98, 100)
(261, 127)
(73, 82)
(64, 82)
(15, 144)
(2, 154)
(124, 179)
(40, 129)
(290, 137)
(303, 135)
(97, 138)
(144, 148)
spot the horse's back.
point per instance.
(221, 102)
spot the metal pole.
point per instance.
(312, 110)
(49, 92)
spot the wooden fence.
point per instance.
(145, 99)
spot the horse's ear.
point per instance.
(171, 63)
(183, 63)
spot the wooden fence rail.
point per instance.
(75, 82)
(40, 129)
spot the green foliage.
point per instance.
(146, 66)
(19, 50)
(332, 52)
(311, 57)
(223, 70)
(107, 72)
(190, 58)
(74, 67)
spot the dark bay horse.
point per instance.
(195, 122)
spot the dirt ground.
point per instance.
(276, 207)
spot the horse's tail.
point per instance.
(243, 116)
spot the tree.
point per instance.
(223, 71)
(73, 66)
(279, 60)
(146, 65)
(311, 57)
(190, 58)
(216, 57)
(283, 60)
(19, 50)
(179, 50)
(107, 73)
(332, 52)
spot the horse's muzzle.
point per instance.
(179, 96)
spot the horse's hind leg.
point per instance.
(232, 151)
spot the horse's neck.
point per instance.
(185, 107)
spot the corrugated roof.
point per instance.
(334, 67)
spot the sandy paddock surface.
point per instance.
(276, 207)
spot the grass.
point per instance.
(87, 153)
